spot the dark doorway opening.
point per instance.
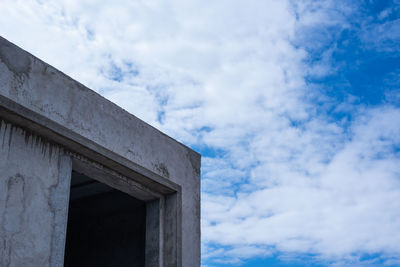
(106, 227)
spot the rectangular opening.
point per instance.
(136, 225)
(106, 227)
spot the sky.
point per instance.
(294, 106)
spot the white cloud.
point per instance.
(229, 75)
(346, 205)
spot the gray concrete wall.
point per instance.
(40, 88)
(34, 189)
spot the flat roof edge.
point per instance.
(45, 91)
(84, 87)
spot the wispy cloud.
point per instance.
(288, 168)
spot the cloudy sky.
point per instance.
(294, 105)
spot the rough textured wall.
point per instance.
(34, 190)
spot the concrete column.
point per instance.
(172, 231)
(60, 200)
(153, 238)
(34, 189)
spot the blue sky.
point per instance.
(294, 105)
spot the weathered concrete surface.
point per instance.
(49, 93)
(152, 234)
(34, 186)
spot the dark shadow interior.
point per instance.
(106, 227)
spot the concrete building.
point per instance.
(85, 183)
